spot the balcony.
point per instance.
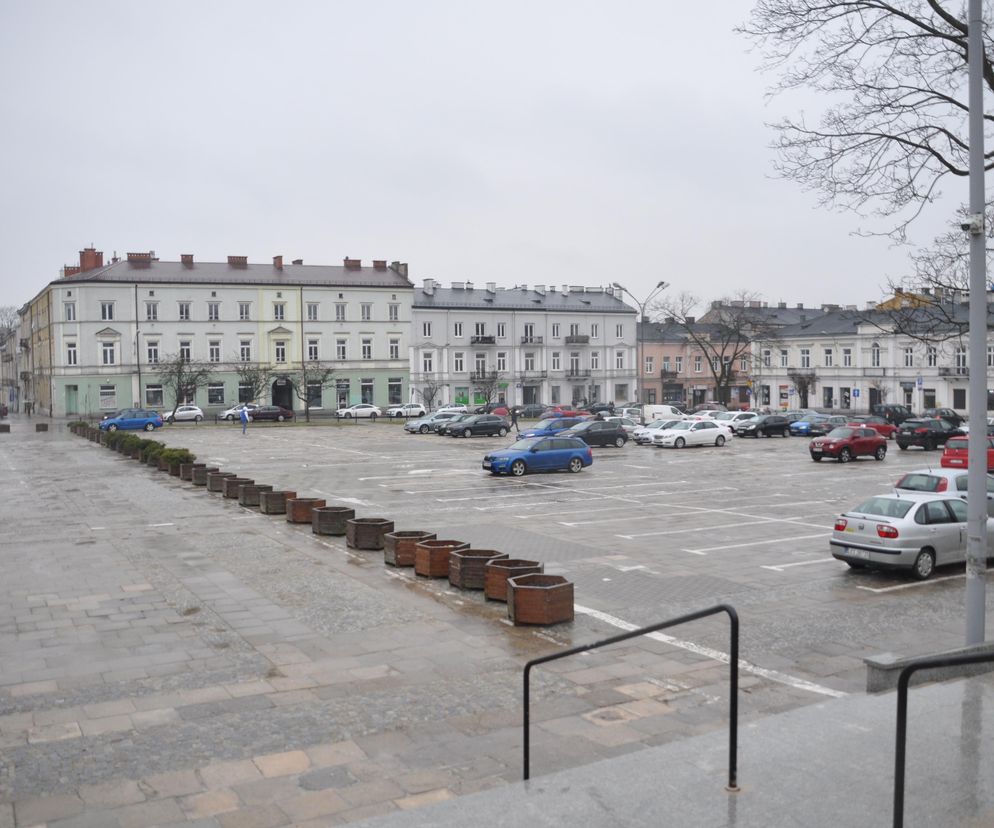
(483, 376)
(577, 373)
(665, 373)
(577, 339)
(874, 372)
(956, 371)
(483, 340)
(532, 340)
(533, 375)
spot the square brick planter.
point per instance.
(4, 428)
(299, 509)
(248, 494)
(431, 557)
(399, 547)
(186, 470)
(497, 572)
(539, 599)
(200, 473)
(467, 566)
(215, 480)
(367, 533)
(274, 503)
(229, 486)
(331, 520)
(41, 426)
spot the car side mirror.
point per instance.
(533, 449)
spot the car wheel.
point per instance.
(785, 432)
(719, 440)
(230, 417)
(903, 448)
(880, 453)
(197, 419)
(575, 465)
(280, 418)
(856, 565)
(845, 456)
(399, 414)
(619, 442)
(816, 458)
(347, 415)
(518, 468)
(373, 416)
(113, 427)
(467, 433)
(679, 442)
(423, 429)
(148, 427)
(929, 445)
(924, 565)
(502, 432)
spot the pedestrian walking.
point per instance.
(514, 419)
(243, 416)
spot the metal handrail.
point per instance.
(733, 712)
(902, 716)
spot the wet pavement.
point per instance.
(167, 656)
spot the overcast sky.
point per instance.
(516, 142)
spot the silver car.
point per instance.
(913, 531)
(423, 425)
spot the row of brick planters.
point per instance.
(399, 547)
(186, 470)
(248, 495)
(498, 571)
(467, 566)
(367, 533)
(431, 557)
(300, 509)
(215, 480)
(200, 474)
(231, 485)
(331, 520)
(274, 503)
(539, 599)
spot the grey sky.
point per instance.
(516, 142)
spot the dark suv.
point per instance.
(892, 412)
(598, 433)
(929, 434)
(946, 414)
(489, 425)
(767, 426)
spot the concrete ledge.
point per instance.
(882, 670)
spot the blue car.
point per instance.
(132, 419)
(546, 428)
(534, 454)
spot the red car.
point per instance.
(271, 412)
(845, 443)
(878, 424)
(954, 456)
(564, 411)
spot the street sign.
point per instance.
(855, 392)
(918, 381)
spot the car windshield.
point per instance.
(910, 424)
(920, 482)
(683, 425)
(840, 433)
(885, 507)
(956, 444)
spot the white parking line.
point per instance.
(911, 584)
(759, 542)
(782, 567)
(717, 655)
(153, 525)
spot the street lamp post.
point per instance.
(660, 286)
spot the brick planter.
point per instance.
(539, 599)
(467, 566)
(229, 486)
(186, 470)
(200, 473)
(136, 454)
(331, 520)
(399, 547)
(497, 572)
(248, 494)
(431, 557)
(4, 428)
(367, 533)
(173, 469)
(299, 509)
(274, 503)
(41, 426)
(161, 464)
(215, 480)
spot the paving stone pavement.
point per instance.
(169, 657)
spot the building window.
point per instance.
(874, 355)
(394, 349)
(847, 357)
(554, 395)
(959, 355)
(214, 350)
(619, 331)
(805, 357)
(184, 311)
(595, 360)
(678, 365)
(458, 362)
(70, 353)
(70, 311)
(828, 354)
(426, 330)
(501, 330)
(959, 398)
(716, 364)
(367, 348)
(574, 328)
(480, 329)
(108, 397)
(595, 330)
(366, 391)
(244, 393)
(529, 335)
(213, 311)
(393, 313)
(427, 360)
(341, 348)
(990, 356)
(457, 330)
(280, 350)
(556, 361)
(366, 312)
(783, 357)
(343, 393)
(340, 311)
(666, 363)
(153, 396)
(650, 365)
(698, 364)
(502, 360)
(481, 363)
(932, 356)
(151, 311)
(215, 393)
(743, 364)
(767, 358)
(312, 311)
(185, 351)
(109, 353)
(279, 311)
(530, 361)
(312, 350)
(395, 386)
(107, 311)
(555, 330)
(244, 311)
(909, 357)
(245, 355)
(314, 395)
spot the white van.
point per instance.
(660, 412)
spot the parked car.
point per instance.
(940, 481)
(892, 412)
(477, 425)
(272, 412)
(598, 433)
(878, 424)
(823, 427)
(627, 424)
(733, 419)
(423, 425)
(548, 427)
(536, 454)
(643, 434)
(499, 408)
(235, 412)
(532, 411)
(406, 410)
(946, 414)
(811, 424)
(929, 434)
(911, 531)
(708, 406)
(359, 410)
(954, 455)
(184, 413)
(651, 411)
(132, 419)
(604, 408)
(442, 428)
(562, 411)
(845, 444)
(633, 412)
(690, 433)
(765, 425)
(458, 408)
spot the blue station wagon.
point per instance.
(534, 454)
(132, 418)
(546, 428)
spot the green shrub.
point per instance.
(129, 442)
(153, 449)
(175, 456)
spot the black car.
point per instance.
(927, 433)
(767, 426)
(443, 427)
(272, 412)
(945, 414)
(487, 425)
(892, 412)
(532, 411)
(601, 408)
(820, 428)
(598, 433)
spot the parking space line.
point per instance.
(782, 567)
(760, 542)
(717, 655)
(911, 584)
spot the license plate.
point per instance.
(486, 464)
(858, 553)
(816, 450)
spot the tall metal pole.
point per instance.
(638, 331)
(976, 539)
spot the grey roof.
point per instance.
(779, 314)
(522, 299)
(222, 273)
(662, 332)
(847, 322)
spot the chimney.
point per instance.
(429, 287)
(353, 264)
(782, 305)
(297, 261)
(186, 259)
(457, 285)
(68, 271)
(469, 285)
(90, 258)
(491, 287)
(565, 290)
(400, 268)
(379, 264)
(540, 290)
(278, 262)
(237, 261)
(140, 259)
(800, 306)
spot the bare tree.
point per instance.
(429, 392)
(181, 377)
(304, 381)
(9, 318)
(804, 382)
(487, 385)
(894, 76)
(255, 376)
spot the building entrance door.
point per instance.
(283, 392)
(72, 400)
